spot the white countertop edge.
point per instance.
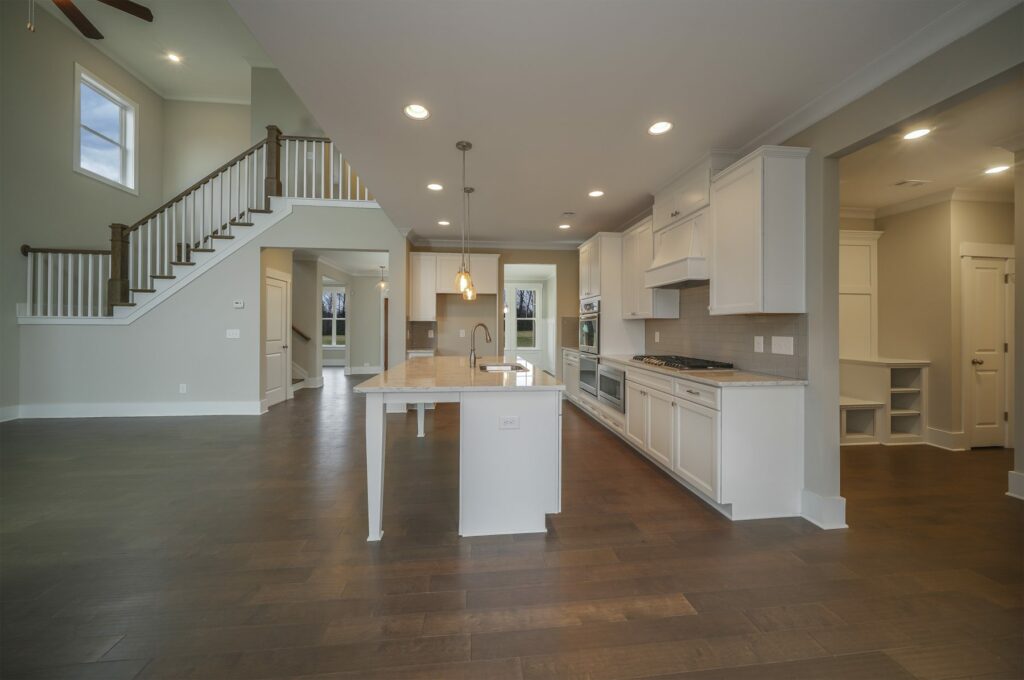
(463, 388)
(885, 361)
(699, 377)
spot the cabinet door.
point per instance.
(665, 208)
(696, 455)
(660, 426)
(422, 281)
(484, 269)
(736, 254)
(571, 375)
(644, 255)
(636, 414)
(586, 253)
(447, 268)
(595, 268)
(630, 275)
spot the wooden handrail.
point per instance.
(302, 138)
(26, 249)
(198, 184)
(301, 334)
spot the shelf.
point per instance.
(905, 390)
(900, 413)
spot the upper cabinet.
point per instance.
(590, 268)
(422, 294)
(690, 192)
(448, 265)
(757, 231)
(638, 301)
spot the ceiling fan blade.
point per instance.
(76, 17)
(133, 8)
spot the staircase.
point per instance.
(190, 233)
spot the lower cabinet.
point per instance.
(571, 374)
(661, 426)
(636, 414)
(696, 446)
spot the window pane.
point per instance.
(100, 113)
(526, 335)
(341, 305)
(325, 331)
(100, 156)
(526, 304)
(341, 332)
(325, 305)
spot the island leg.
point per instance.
(420, 407)
(376, 439)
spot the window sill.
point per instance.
(109, 182)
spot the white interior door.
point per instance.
(276, 364)
(985, 334)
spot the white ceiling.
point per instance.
(557, 95)
(354, 262)
(965, 140)
(217, 49)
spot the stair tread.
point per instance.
(184, 264)
(123, 304)
(204, 250)
(260, 210)
(163, 276)
(241, 224)
(142, 290)
(221, 236)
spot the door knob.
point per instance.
(977, 362)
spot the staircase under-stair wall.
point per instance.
(145, 328)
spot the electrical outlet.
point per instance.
(508, 422)
(462, 332)
(758, 343)
(182, 388)
(233, 334)
(657, 336)
(238, 304)
(430, 333)
(782, 344)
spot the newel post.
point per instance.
(272, 183)
(117, 285)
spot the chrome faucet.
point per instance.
(472, 343)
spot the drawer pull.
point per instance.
(693, 392)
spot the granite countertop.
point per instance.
(454, 374)
(884, 361)
(715, 378)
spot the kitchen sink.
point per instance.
(502, 368)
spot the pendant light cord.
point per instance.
(465, 209)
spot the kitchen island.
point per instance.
(510, 439)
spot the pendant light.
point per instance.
(383, 285)
(464, 280)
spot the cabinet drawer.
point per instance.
(649, 379)
(613, 422)
(697, 393)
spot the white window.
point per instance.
(106, 132)
(333, 316)
(523, 305)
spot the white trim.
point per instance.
(996, 251)
(944, 439)
(955, 194)
(977, 195)
(497, 245)
(83, 74)
(264, 406)
(9, 413)
(854, 213)
(827, 512)
(316, 382)
(1015, 485)
(364, 370)
(947, 28)
(335, 362)
(140, 409)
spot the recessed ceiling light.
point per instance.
(995, 170)
(660, 128)
(596, 193)
(434, 187)
(417, 112)
(443, 223)
(564, 226)
(917, 134)
(176, 58)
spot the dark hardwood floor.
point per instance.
(234, 547)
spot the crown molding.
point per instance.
(965, 194)
(959, 21)
(496, 245)
(855, 213)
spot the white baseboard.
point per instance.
(315, 382)
(365, 370)
(827, 512)
(9, 413)
(1015, 487)
(335, 362)
(140, 409)
(944, 439)
(264, 406)
(299, 371)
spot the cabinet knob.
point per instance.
(673, 403)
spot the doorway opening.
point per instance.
(529, 313)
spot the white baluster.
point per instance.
(28, 284)
(40, 287)
(90, 285)
(104, 280)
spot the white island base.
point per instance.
(510, 441)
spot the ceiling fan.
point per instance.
(86, 28)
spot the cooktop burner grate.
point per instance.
(681, 363)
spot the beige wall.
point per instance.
(275, 103)
(199, 137)
(455, 314)
(857, 223)
(363, 325)
(1017, 477)
(305, 315)
(45, 203)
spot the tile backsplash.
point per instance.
(729, 338)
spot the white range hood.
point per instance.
(679, 254)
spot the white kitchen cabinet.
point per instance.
(660, 425)
(638, 301)
(590, 268)
(571, 374)
(696, 446)
(757, 232)
(636, 415)
(448, 265)
(422, 287)
(484, 269)
(689, 192)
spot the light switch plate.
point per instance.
(508, 422)
(238, 304)
(182, 388)
(233, 333)
(782, 344)
(430, 333)
(758, 343)
(462, 332)
(657, 336)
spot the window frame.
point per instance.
(538, 291)
(334, 317)
(129, 132)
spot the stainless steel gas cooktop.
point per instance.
(680, 363)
